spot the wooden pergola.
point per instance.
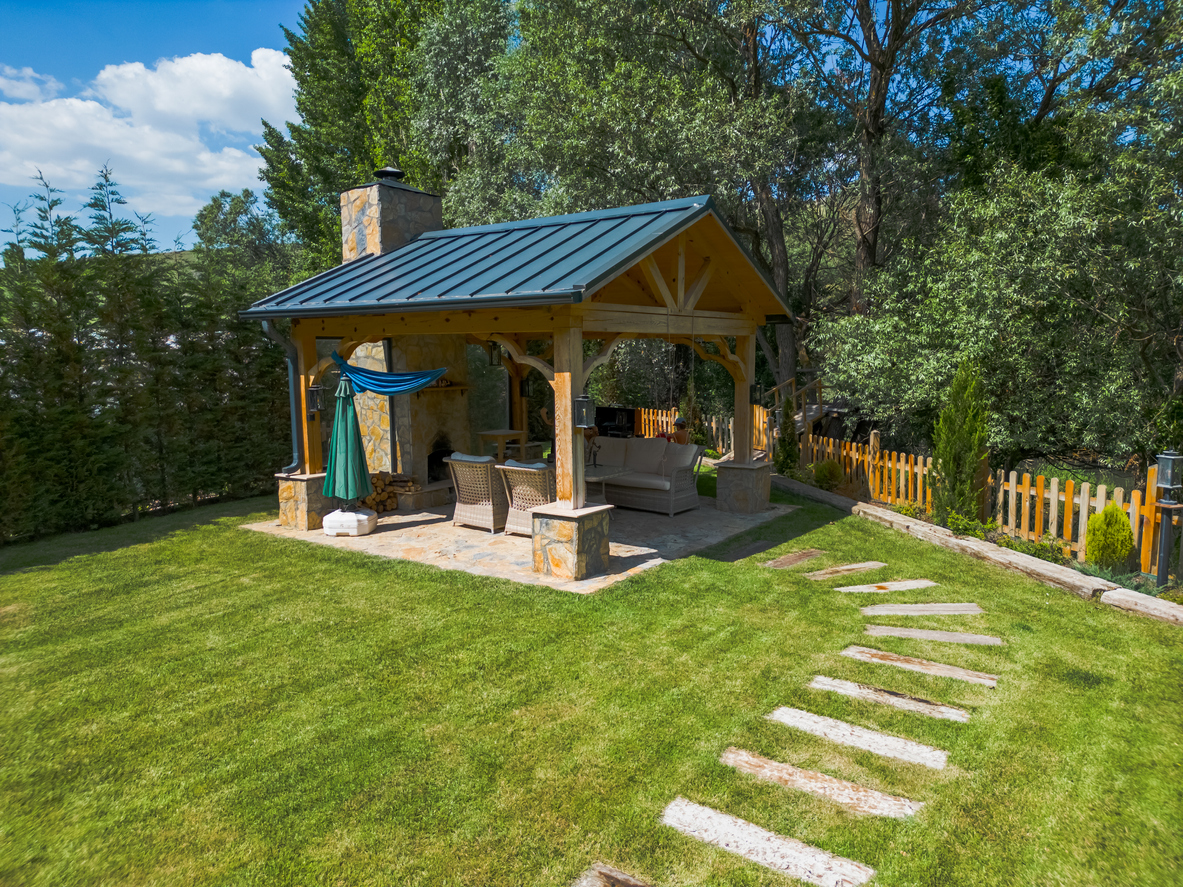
(671, 271)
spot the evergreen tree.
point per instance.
(959, 448)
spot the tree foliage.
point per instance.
(959, 448)
(129, 383)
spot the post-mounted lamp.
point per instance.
(756, 394)
(315, 399)
(494, 354)
(585, 412)
(1170, 481)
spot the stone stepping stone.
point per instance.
(793, 558)
(922, 610)
(860, 737)
(882, 657)
(786, 855)
(844, 570)
(883, 587)
(902, 701)
(854, 797)
(924, 634)
(600, 875)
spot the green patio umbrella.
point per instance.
(346, 476)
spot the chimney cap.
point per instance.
(389, 172)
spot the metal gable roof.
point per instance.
(545, 261)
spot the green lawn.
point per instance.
(187, 702)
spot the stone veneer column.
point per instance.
(571, 543)
(743, 487)
(373, 410)
(302, 504)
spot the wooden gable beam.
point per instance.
(653, 275)
(695, 290)
(517, 355)
(681, 288)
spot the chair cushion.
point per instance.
(641, 480)
(513, 463)
(464, 457)
(612, 451)
(644, 454)
(679, 456)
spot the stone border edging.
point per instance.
(1086, 587)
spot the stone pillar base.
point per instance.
(302, 505)
(743, 487)
(571, 543)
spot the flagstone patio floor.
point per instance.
(428, 537)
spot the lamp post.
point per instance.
(1170, 479)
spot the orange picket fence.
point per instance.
(1035, 509)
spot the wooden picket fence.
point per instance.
(720, 430)
(1034, 509)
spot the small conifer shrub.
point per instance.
(788, 450)
(1109, 539)
(959, 447)
(828, 475)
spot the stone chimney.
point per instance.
(383, 215)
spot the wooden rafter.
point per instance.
(698, 286)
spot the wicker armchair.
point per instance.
(526, 487)
(480, 495)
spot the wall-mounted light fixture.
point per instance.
(756, 393)
(315, 399)
(585, 412)
(526, 388)
(494, 354)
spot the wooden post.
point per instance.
(1150, 520)
(1083, 524)
(1039, 493)
(305, 341)
(741, 441)
(1069, 489)
(568, 439)
(1053, 514)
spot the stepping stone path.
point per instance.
(781, 854)
(864, 654)
(889, 697)
(793, 558)
(793, 857)
(853, 797)
(923, 634)
(922, 610)
(883, 587)
(844, 570)
(600, 875)
(860, 737)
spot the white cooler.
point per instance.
(350, 523)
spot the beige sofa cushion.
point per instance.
(640, 480)
(611, 451)
(645, 454)
(679, 456)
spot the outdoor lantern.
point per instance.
(526, 388)
(1170, 470)
(756, 393)
(316, 399)
(585, 412)
(494, 354)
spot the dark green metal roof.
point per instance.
(548, 261)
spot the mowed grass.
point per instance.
(187, 702)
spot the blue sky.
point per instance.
(169, 92)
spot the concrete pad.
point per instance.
(854, 797)
(909, 663)
(923, 634)
(843, 570)
(786, 855)
(600, 875)
(902, 701)
(922, 610)
(638, 541)
(860, 737)
(792, 559)
(884, 587)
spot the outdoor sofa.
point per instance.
(662, 475)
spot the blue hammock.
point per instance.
(386, 383)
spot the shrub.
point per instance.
(968, 526)
(788, 450)
(828, 474)
(1050, 549)
(959, 447)
(1109, 539)
(910, 509)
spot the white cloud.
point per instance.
(25, 84)
(163, 130)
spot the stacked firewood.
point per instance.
(387, 486)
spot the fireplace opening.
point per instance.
(441, 448)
